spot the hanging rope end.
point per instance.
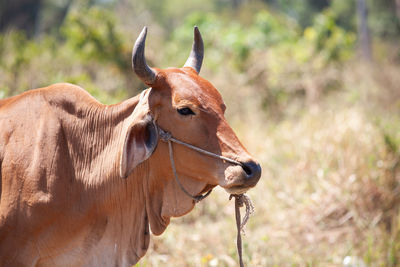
(239, 201)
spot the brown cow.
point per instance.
(63, 154)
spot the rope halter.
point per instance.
(239, 199)
(167, 137)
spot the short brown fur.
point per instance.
(63, 202)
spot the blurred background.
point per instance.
(312, 89)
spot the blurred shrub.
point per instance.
(92, 53)
(272, 52)
(16, 52)
(328, 39)
(274, 29)
(93, 35)
(231, 42)
(308, 64)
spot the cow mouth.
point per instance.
(237, 189)
(207, 188)
(239, 179)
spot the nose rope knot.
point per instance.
(165, 136)
(239, 201)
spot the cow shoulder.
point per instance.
(33, 148)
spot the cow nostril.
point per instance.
(252, 169)
(247, 170)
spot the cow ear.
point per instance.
(140, 138)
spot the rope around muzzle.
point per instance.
(239, 199)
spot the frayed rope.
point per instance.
(239, 201)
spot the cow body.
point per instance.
(70, 202)
(83, 183)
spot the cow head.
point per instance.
(192, 110)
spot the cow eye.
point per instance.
(185, 111)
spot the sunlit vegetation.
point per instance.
(324, 122)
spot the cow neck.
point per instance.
(94, 138)
(93, 134)
(130, 194)
(99, 204)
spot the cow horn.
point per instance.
(196, 55)
(139, 65)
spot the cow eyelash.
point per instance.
(185, 111)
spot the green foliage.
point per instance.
(301, 10)
(91, 51)
(326, 37)
(275, 29)
(229, 42)
(93, 35)
(383, 20)
(16, 51)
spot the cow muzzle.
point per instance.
(239, 179)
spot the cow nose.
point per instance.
(252, 170)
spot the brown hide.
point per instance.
(60, 198)
(80, 183)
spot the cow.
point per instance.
(83, 183)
